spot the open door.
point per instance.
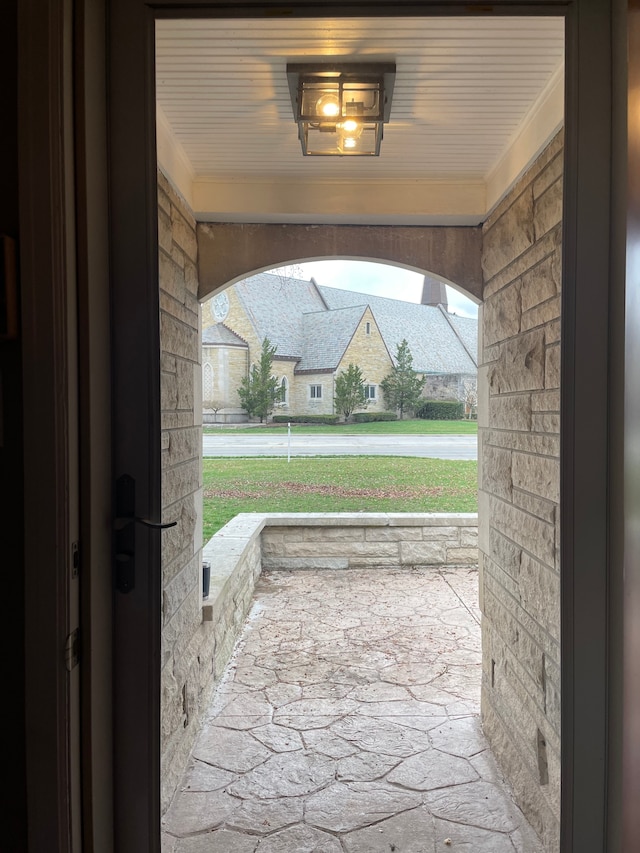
(136, 407)
(136, 431)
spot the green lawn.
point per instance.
(335, 484)
(407, 427)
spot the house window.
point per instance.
(284, 392)
(315, 392)
(367, 327)
(370, 392)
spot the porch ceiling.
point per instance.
(475, 100)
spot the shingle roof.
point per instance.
(220, 334)
(275, 307)
(327, 335)
(433, 343)
(467, 330)
(315, 324)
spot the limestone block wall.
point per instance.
(449, 386)
(235, 560)
(302, 404)
(369, 540)
(285, 368)
(519, 475)
(186, 663)
(228, 366)
(369, 352)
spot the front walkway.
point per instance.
(348, 723)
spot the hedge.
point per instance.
(369, 417)
(441, 410)
(306, 419)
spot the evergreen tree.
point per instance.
(349, 393)
(402, 388)
(260, 391)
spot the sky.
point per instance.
(378, 280)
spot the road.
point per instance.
(433, 446)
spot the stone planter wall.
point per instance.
(519, 485)
(360, 540)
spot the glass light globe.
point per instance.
(328, 106)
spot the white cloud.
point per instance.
(381, 280)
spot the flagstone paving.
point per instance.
(348, 722)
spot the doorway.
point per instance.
(143, 207)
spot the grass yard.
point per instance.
(416, 426)
(335, 484)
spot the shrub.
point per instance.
(369, 417)
(441, 410)
(306, 419)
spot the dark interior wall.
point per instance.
(11, 458)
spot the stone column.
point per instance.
(519, 476)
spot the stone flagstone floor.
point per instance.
(348, 723)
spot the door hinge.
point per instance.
(72, 650)
(75, 560)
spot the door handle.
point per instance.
(124, 533)
(120, 523)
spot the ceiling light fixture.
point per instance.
(340, 108)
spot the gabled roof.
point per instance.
(433, 341)
(327, 335)
(315, 324)
(220, 334)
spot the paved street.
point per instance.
(348, 722)
(255, 444)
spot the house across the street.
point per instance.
(318, 331)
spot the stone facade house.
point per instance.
(318, 331)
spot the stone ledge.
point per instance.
(365, 519)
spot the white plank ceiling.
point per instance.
(464, 90)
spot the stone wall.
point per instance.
(449, 386)
(361, 540)
(229, 365)
(285, 368)
(518, 418)
(369, 352)
(186, 672)
(301, 402)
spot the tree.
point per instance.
(260, 391)
(286, 273)
(469, 396)
(349, 394)
(402, 388)
(215, 406)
